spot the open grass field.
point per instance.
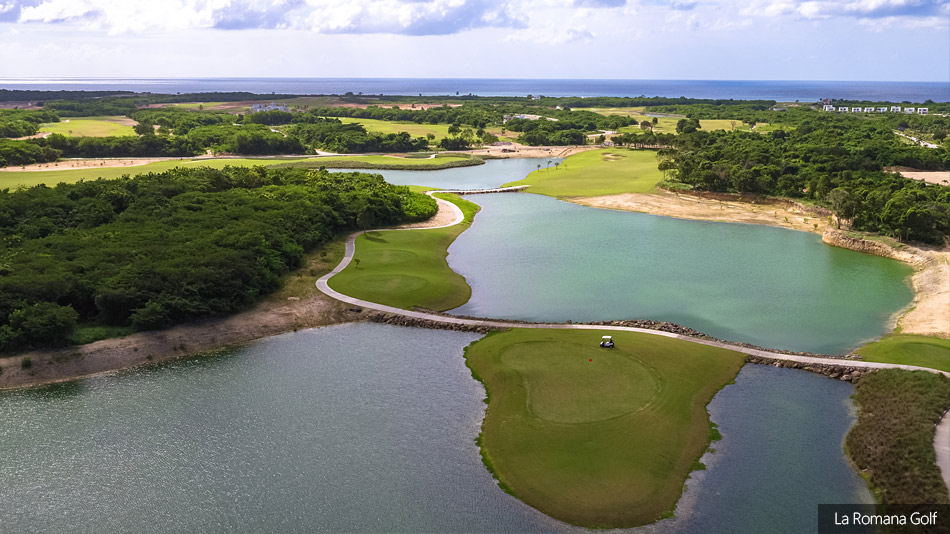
(407, 268)
(60, 171)
(91, 126)
(597, 172)
(909, 349)
(440, 131)
(601, 438)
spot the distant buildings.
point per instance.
(871, 109)
(269, 107)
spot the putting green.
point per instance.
(407, 268)
(597, 172)
(615, 386)
(909, 349)
(601, 438)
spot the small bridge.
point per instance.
(483, 191)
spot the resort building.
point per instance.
(882, 109)
(909, 111)
(869, 110)
(922, 111)
(855, 110)
(843, 109)
(895, 109)
(828, 107)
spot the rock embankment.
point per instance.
(837, 238)
(402, 320)
(841, 371)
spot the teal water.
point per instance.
(492, 174)
(536, 258)
(366, 428)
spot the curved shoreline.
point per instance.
(323, 285)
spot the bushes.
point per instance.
(893, 439)
(164, 248)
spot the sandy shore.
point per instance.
(929, 314)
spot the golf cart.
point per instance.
(607, 342)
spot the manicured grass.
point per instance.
(892, 442)
(90, 127)
(407, 268)
(60, 172)
(597, 172)
(596, 437)
(388, 127)
(909, 349)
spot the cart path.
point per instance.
(941, 439)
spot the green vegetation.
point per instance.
(91, 127)
(21, 123)
(834, 160)
(908, 349)
(597, 172)
(892, 442)
(61, 172)
(596, 437)
(160, 249)
(407, 268)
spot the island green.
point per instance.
(597, 172)
(601, 438)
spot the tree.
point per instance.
(454, 129)
(366, 219)
(844, 203)
(144, 128)
(646, 125)
(43, 323)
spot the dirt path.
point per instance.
(324, 286)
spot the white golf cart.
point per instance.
(607, 342)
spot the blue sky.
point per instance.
(636, 39)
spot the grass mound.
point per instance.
(892, 442)
(407, 268)
(596, 437)
(909, 349)
(595, 173)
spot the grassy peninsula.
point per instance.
(909, 349)
(407, 268)
(597, 172)
(596, 437)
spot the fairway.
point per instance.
(414, 129)
(60, 172)
(597, 172)
(909, 349)
(91, 126)
(407, 268)
(601, 438)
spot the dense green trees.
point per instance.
(835, 161)
(159, 249)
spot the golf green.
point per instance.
(601, 438)
(909, 349)
(407, 268)
(597, 172)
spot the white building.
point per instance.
(882, 109)
(922, 111)
(843, 109)
(869, 110)
(829, 107)
(909, 111)
(855, 110)
(895, 109)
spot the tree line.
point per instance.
(159, 249)
(836, 163)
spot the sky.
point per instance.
(887, 40)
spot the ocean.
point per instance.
(783, 91)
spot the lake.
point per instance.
(535, 258)
(366, 428)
